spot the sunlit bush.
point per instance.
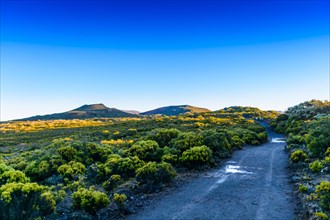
(112, 182)
(316, 166)
(11, 176)
(163, 136)
(153, 174)
(71, 170)
(187, 140)
(89, 200)
(324, 191)
(298, 156)
(197, 156)
(38, 170)
(25, 200)
(146, 150)
(67, 152)
(217, 142)
(120, 199)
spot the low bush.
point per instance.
(163, 136)
(67, 152)
(4, 168)
(89, 200)
(303, 188)
(71, 170)
(318, 138)
(111, 183)
(323, 190)
(13, 176)
(38, 170)
(170, 158)
(217, 142)
(186, 141)
(197, 156)
(298, 156)
(316, 166)
(146, 150)
(25, 200)
(120, 199)
(321, 215)
(153, 174)
(327, 152)
(115, 164)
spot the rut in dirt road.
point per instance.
(254, 184)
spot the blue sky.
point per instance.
(58, 55)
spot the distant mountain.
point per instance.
(175, 110)
(131, 112)
(84, 112)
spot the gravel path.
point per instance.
(254, 184)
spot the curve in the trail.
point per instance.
(254, 184)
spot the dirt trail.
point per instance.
(254, 184)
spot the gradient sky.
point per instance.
(58, 55)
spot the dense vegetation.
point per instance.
(54, 168)
(308, 128)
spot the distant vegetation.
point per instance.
(97, 111)
(84, 112)
(175, 110)
(63, 167)
(308, 128)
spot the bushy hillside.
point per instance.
(176, 110)
(84, 112)
(308, 128)
(73, 171)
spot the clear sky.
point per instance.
(57, 55)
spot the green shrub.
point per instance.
(111, 183)
(13, 176)
(115, 164)
(316, 166)
(295, 139)
(170, 158)
(255, 142)
(59, 195)
(71, 170)
(327, 152)
(89, 152)
(323, 190)
(146, 150)
(298, 156)
(68, 153)
(164, 136)
(186, 141)
(18, 163)
(47, 203)
(197, 156)
(120, 199)
(38, 170)
(318, 138)
(153, 174)
(321, 215)
(24, 200)
(217, 142)
(89, 200)
(247, 136)
(4, 168)
(236, 142)
(262, 137)
(303, 188)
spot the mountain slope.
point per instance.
(83, 112)
(175, 110)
